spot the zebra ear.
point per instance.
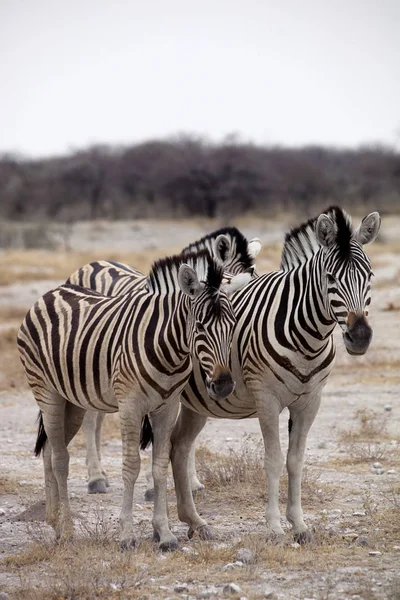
(325, 231)
(188, 281)
(254, 247)
(236, 283)
(368, 228)
(222, 247)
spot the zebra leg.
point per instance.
(51, 489)
(195, 484)
(99, 424)
(149, 493)
(163, 422)
(186, 430)
(301, 419)
(130, 419)
(268, 409)
(91, 423)
(61, 422)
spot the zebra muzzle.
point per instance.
(358, 335)
(221, 385)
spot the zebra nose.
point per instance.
(221, 386)
(358, 335)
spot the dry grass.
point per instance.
(391, 307)
(368, 440)
(9, 486)
(93, 567)
(12, 375)
(233, 478)
(20, 266)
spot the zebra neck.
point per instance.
(312, 314)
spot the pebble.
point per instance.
(187, 550)
(359, 513)
(229, 439)
(4, 596)
(378, 471)
(229, 567)
(375, 553)
(350, 536)
(181, 587)
(362, 540)
(391, 471)
(211, 591)
(295, 545)
(335, 511)
(397, 548)
(231, 588)
(270, 594)
(377, 465)
(245, 556)
(388, 407)
(2, 512)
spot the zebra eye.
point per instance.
(331, 278)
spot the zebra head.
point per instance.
(210, 323)
(229, 247)
(236, 254)
(348, 274)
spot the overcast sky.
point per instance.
(81, 72)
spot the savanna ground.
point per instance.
(352, 507)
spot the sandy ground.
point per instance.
(371, 382)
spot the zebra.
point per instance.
(132, 354)
(283, 352)
(229, 247)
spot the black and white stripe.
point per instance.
(283, 351)
(228, 246)
(130, 353)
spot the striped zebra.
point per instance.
(132, 354)
(229, 247)
(283, 352)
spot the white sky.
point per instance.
(79, 72)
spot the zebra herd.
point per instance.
(203, 333)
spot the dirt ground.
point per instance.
(352, 505)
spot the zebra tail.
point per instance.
(41, 437)
(146, 433)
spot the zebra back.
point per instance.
(91, 349)
(283, 340)
(227, 245)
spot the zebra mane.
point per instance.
(301, 243)
(238, 242)
(163, 276)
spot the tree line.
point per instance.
(186, 177)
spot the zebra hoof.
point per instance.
(97, 487)
(204, 532)
(149, 495)
(169, 546)
(304, 537)
(156, 536)
(198, 490)
(106, 479)
(128, 544)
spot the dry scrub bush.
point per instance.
(366, 442)
(238, 468)
(240, 475)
